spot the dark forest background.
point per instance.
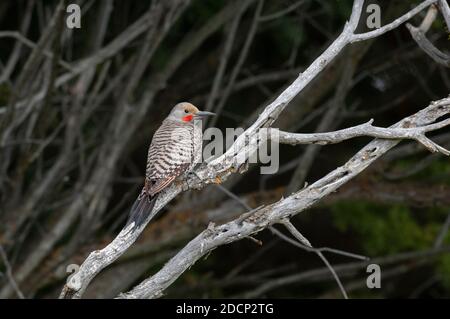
(78, 109)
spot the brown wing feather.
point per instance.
(161, 183)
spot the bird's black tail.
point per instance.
(140, 210)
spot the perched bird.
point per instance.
(175, 149)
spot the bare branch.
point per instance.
(394, 24)
(342, 268)
(305, 243)
(237, 68)
(9, 274)
(228, 46)
(418, 34)
(17, 35)
(367, 129)
(445, 10)
(278, 14)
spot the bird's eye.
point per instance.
(186, 111)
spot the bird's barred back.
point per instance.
(172, 150)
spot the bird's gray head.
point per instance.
(186, 112)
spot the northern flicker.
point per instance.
(175, 149)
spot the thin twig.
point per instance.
(9, 274)
(394, 24)
(305, 243)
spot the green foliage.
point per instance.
(284, 33)
(161, 57)
(383, 229)
(438, 170)
(443, 269)
(343, 9)
(5, 94)
(200, 11)
(391, 229)
(443, 263)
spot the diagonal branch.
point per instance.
(302, 243)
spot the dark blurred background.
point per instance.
(78, 108)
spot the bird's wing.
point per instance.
(161, 183)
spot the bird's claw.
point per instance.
(185, 186)
(193, 174)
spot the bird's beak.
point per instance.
(204, 114)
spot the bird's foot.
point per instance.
(185, 185)
(192, 175)
(190, 181)
(200, 166)
(210, 229)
